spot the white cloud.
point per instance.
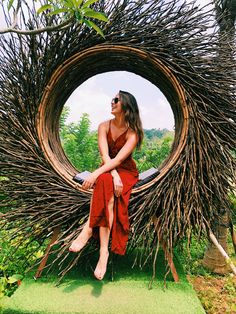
(89, 99)
(203, 3)
(3, 23)
(2, 19)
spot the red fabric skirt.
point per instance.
(99, 214)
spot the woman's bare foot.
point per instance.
(101, 267)
(81, 240)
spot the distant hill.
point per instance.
(156, 133)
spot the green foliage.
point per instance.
(206, 283)
(190, 256)
(233, 201)
(232, 197)
(3, 209)
(155, 133)
(78, 9)
(17, 254)
(79, 143)
(230, 287)
(10, 4)
(155, 149)
(8, 284)
(64, 115)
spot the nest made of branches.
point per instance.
(172, 46)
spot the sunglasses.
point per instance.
(115, 100)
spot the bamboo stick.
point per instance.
(222, 251)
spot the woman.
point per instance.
(113, 181)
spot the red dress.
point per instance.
(103, 192)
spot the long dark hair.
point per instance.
(132, 117)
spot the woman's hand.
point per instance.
(89, 182)
(118, 185)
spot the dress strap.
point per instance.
(121, 135)
(109, 129)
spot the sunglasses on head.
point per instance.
(115, 100)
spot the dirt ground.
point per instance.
(217, 294)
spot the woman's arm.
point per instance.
(125, 151)
(102, 142)
(104, 152)
(103, 145)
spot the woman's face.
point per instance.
(116, 106)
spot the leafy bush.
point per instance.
(79, 143)
(154, 151)
(17, 255)
(8, 284)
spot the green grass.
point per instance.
(80, 293)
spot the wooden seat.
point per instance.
(144, 177)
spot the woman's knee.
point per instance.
(111, 201)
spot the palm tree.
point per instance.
(225, 16)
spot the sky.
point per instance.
(94, 96)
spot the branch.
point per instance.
(63, 25)
(15, 15)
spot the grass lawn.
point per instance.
(80, 293)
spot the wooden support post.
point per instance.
(168, 256)
(55, 234)
(170, 262)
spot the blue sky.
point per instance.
(94, 96)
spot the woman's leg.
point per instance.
(104, 234)
(83, 237)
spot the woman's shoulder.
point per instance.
(104, 125)
(131, 133)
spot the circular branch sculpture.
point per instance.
(97, 60)
(165, 43)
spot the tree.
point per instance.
(56, 15)
(226, 18)
(155, 149)
(80, 145)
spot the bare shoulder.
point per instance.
(132, 134)
(104, 125)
